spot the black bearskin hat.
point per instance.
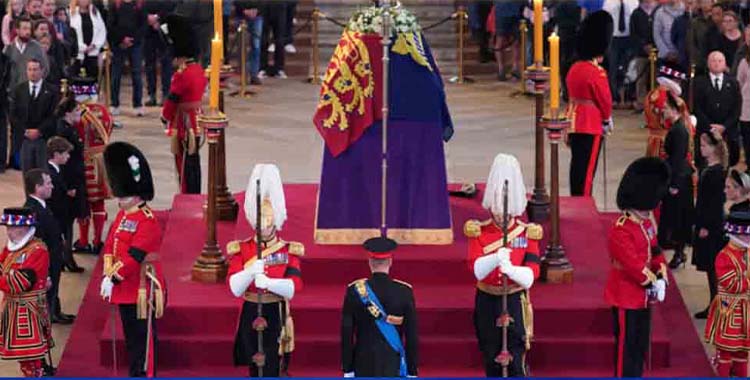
(594, 35)
(180, 34)
(128, 171)
(643, 185)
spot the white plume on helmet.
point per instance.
(505, 167)
(271, 189)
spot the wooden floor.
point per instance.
(275, 126)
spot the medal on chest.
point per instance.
(128, 225)
(519, 242)
(278, 258)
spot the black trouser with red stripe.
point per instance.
(632, 333)
(584, 149)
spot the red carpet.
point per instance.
(572, 324)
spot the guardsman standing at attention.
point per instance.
(377, 312)
(183, 104)
(132, 271)
(490, 261)
(727, 325)
(271, 281)
(590, 105)
(25, 332)
(639, 272)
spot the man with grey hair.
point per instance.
(717, 106)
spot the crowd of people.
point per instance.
(67, 40)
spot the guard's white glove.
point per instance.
(280, 286)
(608, 126)
(349, 374)
(258, 267)
(240, 281)
(105, 290)
(660, 289)
(521, 275)
(503, 256)
(484, 265)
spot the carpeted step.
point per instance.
(435, 351)
(445, 309)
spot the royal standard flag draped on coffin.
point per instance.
(349, 119)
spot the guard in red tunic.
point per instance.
(25, 331)
(490, 260)
(183, 104)
(728, 327)
(133, 278)
(272, 281)
(670, 80)
(638, 274)
(94, 128)
(590, 105)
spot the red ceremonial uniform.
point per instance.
(180, 112)
(282, 261)
(133, 240)
(25, 331)
(94, 128)
(485, 238)
(728, 324)
(636, 262)
(523, 239)
(589, 106)
(590, 98)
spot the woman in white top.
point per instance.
(15, 9)
(743, 77)
(91, 35)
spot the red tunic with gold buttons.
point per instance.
(486, 238)
(25, 331)
(130, 249)
(728, 318)
(183, 104)
(637, 262)
(282, 260)
(590, 99)
(95, 127)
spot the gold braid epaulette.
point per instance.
(533, 231)
(296, 248)
(473, 227)
(233, 247)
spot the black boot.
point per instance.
(678, 259)
(701, 314)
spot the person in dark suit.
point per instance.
(717, 107)
(38, 187)
(32, 105)
(675, 224)
(709, 236)
(373, 307)
(61, 205)
(74, 173)
(4, 78)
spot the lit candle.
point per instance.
(219, 23)
(538, 32)
(216, 46)
(554, 63)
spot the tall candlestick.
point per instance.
(216, 47)
(219, 24)
(554, 63)
(538, 32)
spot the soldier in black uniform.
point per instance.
(377, 313)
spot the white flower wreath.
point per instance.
(370, 20)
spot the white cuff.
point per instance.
(239, 282)
(523, 276)
(484, 265)
(281, 286)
